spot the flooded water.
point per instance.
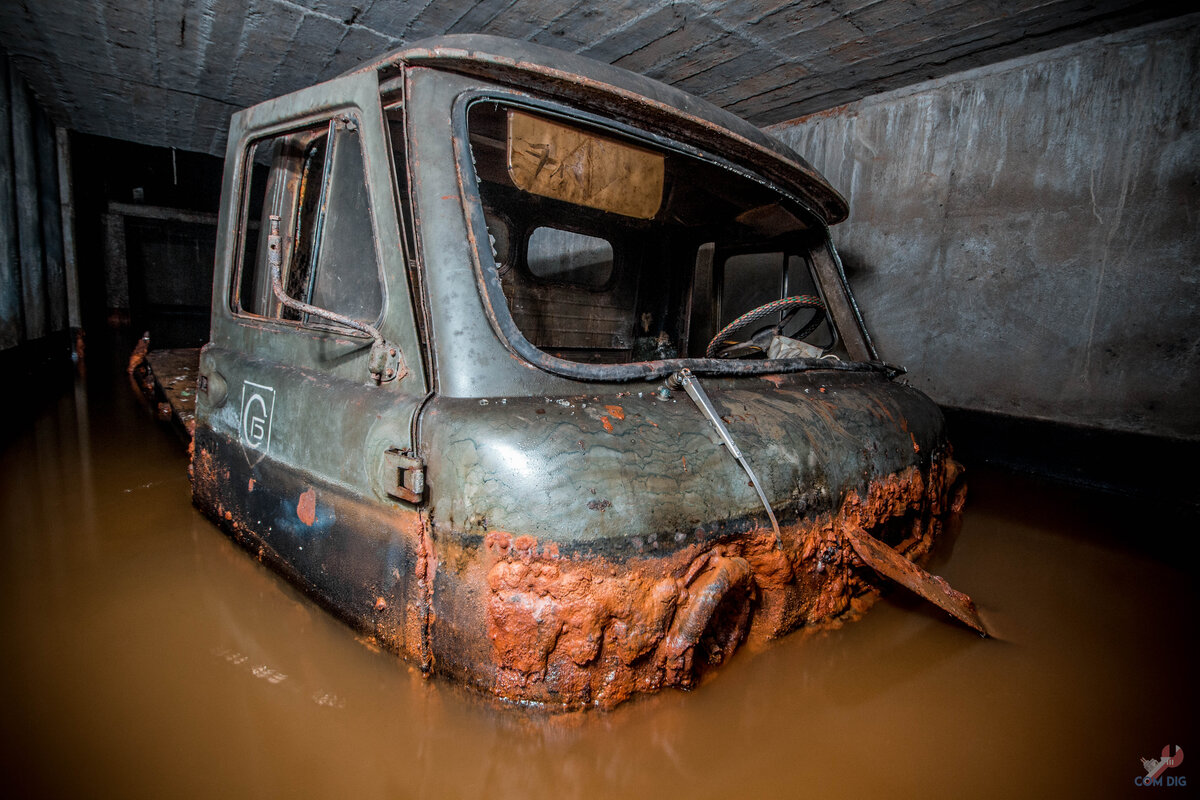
(145, 655)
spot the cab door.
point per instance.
(303, 442)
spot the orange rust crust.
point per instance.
(139, 372)
(592, 632)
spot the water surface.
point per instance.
(145, 655)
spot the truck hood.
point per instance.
(630, 472)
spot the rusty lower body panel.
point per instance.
(513, 617)
(592, 632)
(537, 620)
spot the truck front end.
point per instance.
(659, 429)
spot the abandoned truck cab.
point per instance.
(547, 376)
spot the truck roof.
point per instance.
(629, 95)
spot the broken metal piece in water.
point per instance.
(887, 562)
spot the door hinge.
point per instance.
(406, 475)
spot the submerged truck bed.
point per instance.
(167, 380)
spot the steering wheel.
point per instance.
(761, 339)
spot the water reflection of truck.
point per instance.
(491, 323)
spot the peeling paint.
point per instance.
(306, 508)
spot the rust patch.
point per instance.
(138, 357)
(205, 472)
(581, 624)
(306, 508)
(422, 618)
(590, 631)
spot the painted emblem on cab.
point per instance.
(258, 407)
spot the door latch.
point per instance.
(406, 475)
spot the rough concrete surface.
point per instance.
(171, 72)
(33, 300)
(1024, 237)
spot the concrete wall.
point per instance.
(12, 322)
(171, 72)
(33, 294)
(1025, 237)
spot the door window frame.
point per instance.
(312, 122)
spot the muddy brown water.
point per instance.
(145, 655)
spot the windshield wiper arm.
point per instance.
(691, 384)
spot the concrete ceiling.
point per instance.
(170, 72)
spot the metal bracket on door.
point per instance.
(407, 473)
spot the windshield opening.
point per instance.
(612, 251)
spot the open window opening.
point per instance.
(610, 250)
(314, 180)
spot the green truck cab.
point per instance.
(547, 376)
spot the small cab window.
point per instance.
(611, 249)
(555, 254)
(314, 180)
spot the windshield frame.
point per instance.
(488, 278)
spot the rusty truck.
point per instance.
(548, 377)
